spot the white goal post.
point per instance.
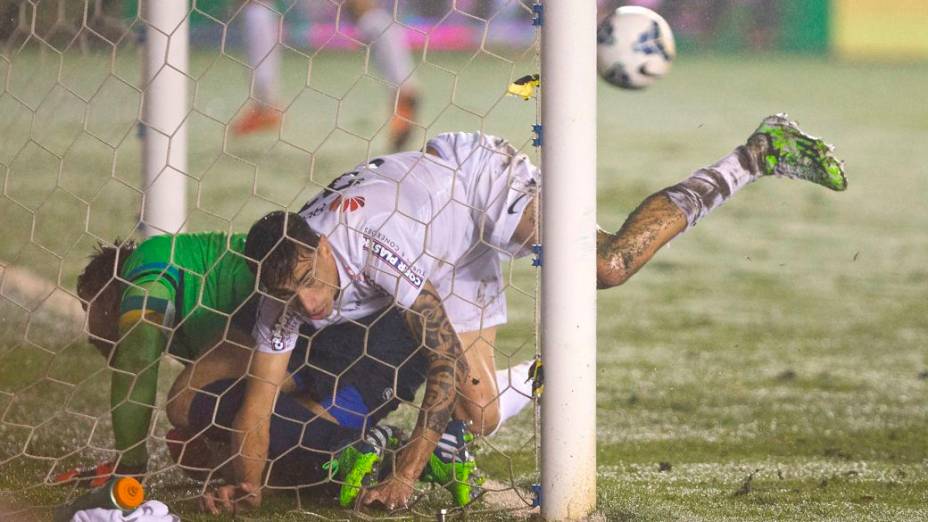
(568, 307)
(164, 113)
(568, 318)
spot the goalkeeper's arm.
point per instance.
(145, 311)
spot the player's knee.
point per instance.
(486, 419)
(608, 276)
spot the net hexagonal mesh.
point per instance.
(282, 99)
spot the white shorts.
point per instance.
(499, 182)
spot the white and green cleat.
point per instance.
(453, 467)
(794, 154)
(356, 467)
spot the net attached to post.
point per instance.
(282, 99)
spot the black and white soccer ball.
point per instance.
(635, 47)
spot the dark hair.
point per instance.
(105, 264)
(275, 244)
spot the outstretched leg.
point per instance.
(777, 148)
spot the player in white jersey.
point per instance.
(421, 218)
(376, 28)
(425, 231)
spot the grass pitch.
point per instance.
(768, 364)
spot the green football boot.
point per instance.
(794, 154)
(357, 466)
(452, 467)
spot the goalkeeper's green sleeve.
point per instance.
(144, 313)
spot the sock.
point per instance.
(707, 188)
(452, 443)
(388, 46)
(515, 393)
(262, 34)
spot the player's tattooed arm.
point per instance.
(447, 365)
(447, 370)
(654, 223)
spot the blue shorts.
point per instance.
(360, 371)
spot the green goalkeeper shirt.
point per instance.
(191, 283)
(181, 291)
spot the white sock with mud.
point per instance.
(707, 188)
(262, 34)
(515, 393)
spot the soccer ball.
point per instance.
(634, 47)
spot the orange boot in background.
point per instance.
(257, 118)
(401, 125)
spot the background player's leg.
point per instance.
(262, 34)
(392, 58)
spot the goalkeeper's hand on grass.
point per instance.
(97, 476)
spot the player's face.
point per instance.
(310, 288)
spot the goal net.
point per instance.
(243, 108)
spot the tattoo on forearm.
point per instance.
(447, 366)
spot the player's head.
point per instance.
(293, 262)
(278, 242)
(100, 290)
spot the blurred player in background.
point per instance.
(376, 28)
(426, 231)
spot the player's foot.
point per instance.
(91, 477)
(357, 466)
(257, 118)
(453, 467)
(401, 126)
(792, 153)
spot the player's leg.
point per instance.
(777, 148)
(478, 401)
(305, 449)
(262, 36)
(490, 396)
(393, 60)
(503, 183)
(226, 360)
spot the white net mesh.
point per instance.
(266, 131)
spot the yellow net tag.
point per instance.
(525, 86)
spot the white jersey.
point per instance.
(404, 219)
